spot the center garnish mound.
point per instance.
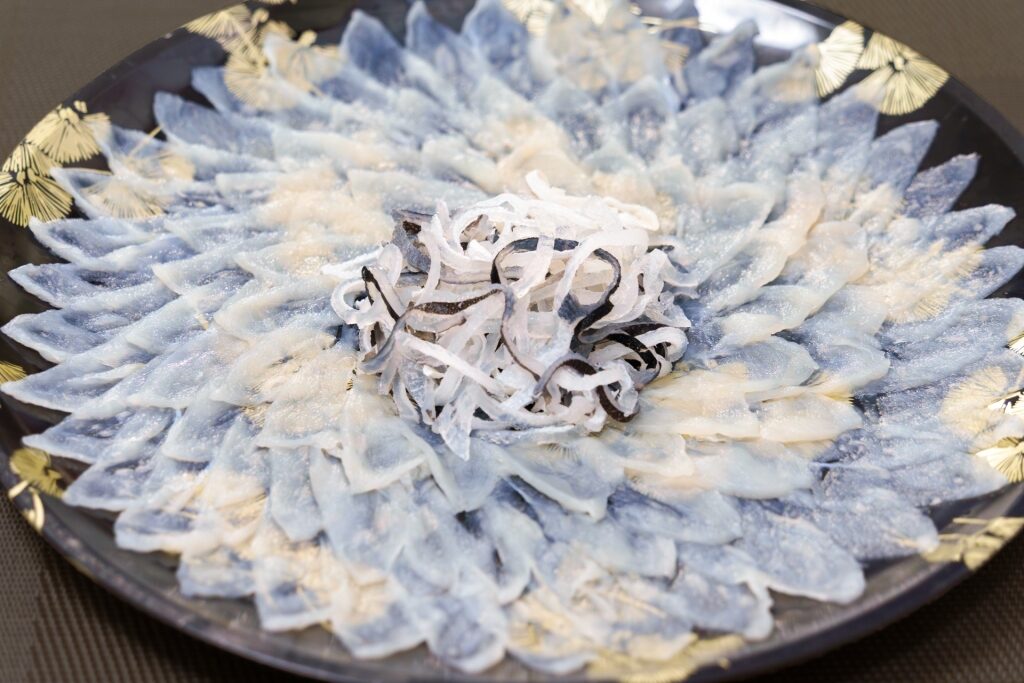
(519, 315)
(539, 455)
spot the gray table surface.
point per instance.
(56, 626)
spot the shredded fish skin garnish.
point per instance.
(841, 378)
(537, 315)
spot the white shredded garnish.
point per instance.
(517, 313)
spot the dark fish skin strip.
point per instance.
(506, 338)
(369, 277)
(634, 329)
(526, 244)
(571, 361)
(408, 224)
(604, 304)
(635, 345)
(415, 258)
(570, 309)
(612, 408)
(637, 328)
(436, 307)
(452, 307)
(578, 364)
(414, 218)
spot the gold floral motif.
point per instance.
(698, 654)
(264, 26)
(68, 134)
(907, 79)
(10, 372)
(964, 408)
(300, 65)
(246, 77)
(37, 475)
(33, 466)
(838, 56)
(1017, 344)
(226, 24)
(159, 164)
(901, 77)
(121, 199)
(533, 13)
(1007, 456)
(675, 53)
(34, 515)
(1010, 404)
(27, 190)
(975, 548)
(27, 193)
(241, 32)
(27, 156)
(596, 10)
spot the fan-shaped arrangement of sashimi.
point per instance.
(523, 345)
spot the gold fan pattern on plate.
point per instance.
(536, 13)
(69, 133)
(838, 56)
(25, 193)
(32, 466)
(66, 135)
(901, 78)
(698, 654)
(10, 372)
(1007, 455)
(122, 199)
(37, 477)
(27, 189)
(241, 32)
(157, 163)
(982, 539)
(906, 79)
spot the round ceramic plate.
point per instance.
(971, 530)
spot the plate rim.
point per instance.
(925, 586)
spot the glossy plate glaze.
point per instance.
(971, 530)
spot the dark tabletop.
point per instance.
(56, 626)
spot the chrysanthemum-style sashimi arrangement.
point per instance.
(523, 345)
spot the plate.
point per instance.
(971, 530)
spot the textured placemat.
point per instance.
(57, 627)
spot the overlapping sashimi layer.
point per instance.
(840, 363)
